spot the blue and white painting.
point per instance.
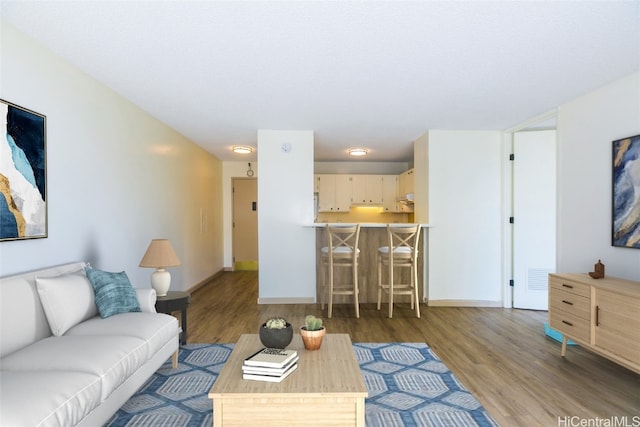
(626, 192)
(23, 206)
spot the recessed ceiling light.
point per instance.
(242, 150)
(358, 152)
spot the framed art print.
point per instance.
(23, 173)
(626, 193)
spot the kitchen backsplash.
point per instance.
(365, 214)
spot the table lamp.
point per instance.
(160, 255)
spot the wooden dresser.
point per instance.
(602, 315)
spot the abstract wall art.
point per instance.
(626, 193)
(23, 173)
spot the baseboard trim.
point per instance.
(305, 300)
(205, 281)
(463, 303)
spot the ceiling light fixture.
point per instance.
(358, 152)
(238, 149)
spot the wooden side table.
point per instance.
(176, 301)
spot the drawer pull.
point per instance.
(567, 323)
(567, 286)
(597, 316)
(567, 302)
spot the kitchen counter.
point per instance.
(365, 224)
(372, 236)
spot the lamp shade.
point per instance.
(160, 254)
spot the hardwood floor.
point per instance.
(501, 355)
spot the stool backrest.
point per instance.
(403, 240)
(343, 239)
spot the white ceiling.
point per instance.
(357, 73)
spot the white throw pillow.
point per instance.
(67, 300)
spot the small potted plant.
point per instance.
(276, 332)
(312, 332)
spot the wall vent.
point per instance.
(538, 279)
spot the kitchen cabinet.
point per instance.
(602, 315)
(366, 189)
(390, 193)
(617, 324)
(405, 182)
(334, 193)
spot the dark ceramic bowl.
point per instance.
(276, 338)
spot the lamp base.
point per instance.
(161, 281)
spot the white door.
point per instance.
(534, 213)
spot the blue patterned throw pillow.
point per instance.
(114, 293)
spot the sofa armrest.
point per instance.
(147, 299)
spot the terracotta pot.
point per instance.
(312, 339)
(276, 338)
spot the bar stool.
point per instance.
(403, 239)
(341, 251)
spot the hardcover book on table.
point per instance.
(271, 358)
(262, 370)
(270, 378)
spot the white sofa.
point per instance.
(81, 370)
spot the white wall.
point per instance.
(465, 214)
(286, 247)
(421, 179)
(116, 177)
(586, 128)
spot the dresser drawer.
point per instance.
(570, 286)
(569, 324)
(576, 305)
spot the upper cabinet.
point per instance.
(337, 193)
(334, 193)
(390, 193)
(366, 189)
(405, 183)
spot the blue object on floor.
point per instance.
(555, 334)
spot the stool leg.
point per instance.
(355, 288)
(330, 288)
(411, 285)
(323, 275)
(414, 278)
(390, 284)
(379, 280)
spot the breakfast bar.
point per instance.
(372, 236)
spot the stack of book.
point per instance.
(270, 364)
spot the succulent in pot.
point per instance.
(312, 332)
(276, 332)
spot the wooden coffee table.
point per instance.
(326, 389)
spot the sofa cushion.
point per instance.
(113, 358)
(155, 329)
(20, 305)
(67, 300)
(47, 398)
(113, 292)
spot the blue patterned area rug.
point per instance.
(408, 386)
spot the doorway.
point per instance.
(245, 223)
(534, 217)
